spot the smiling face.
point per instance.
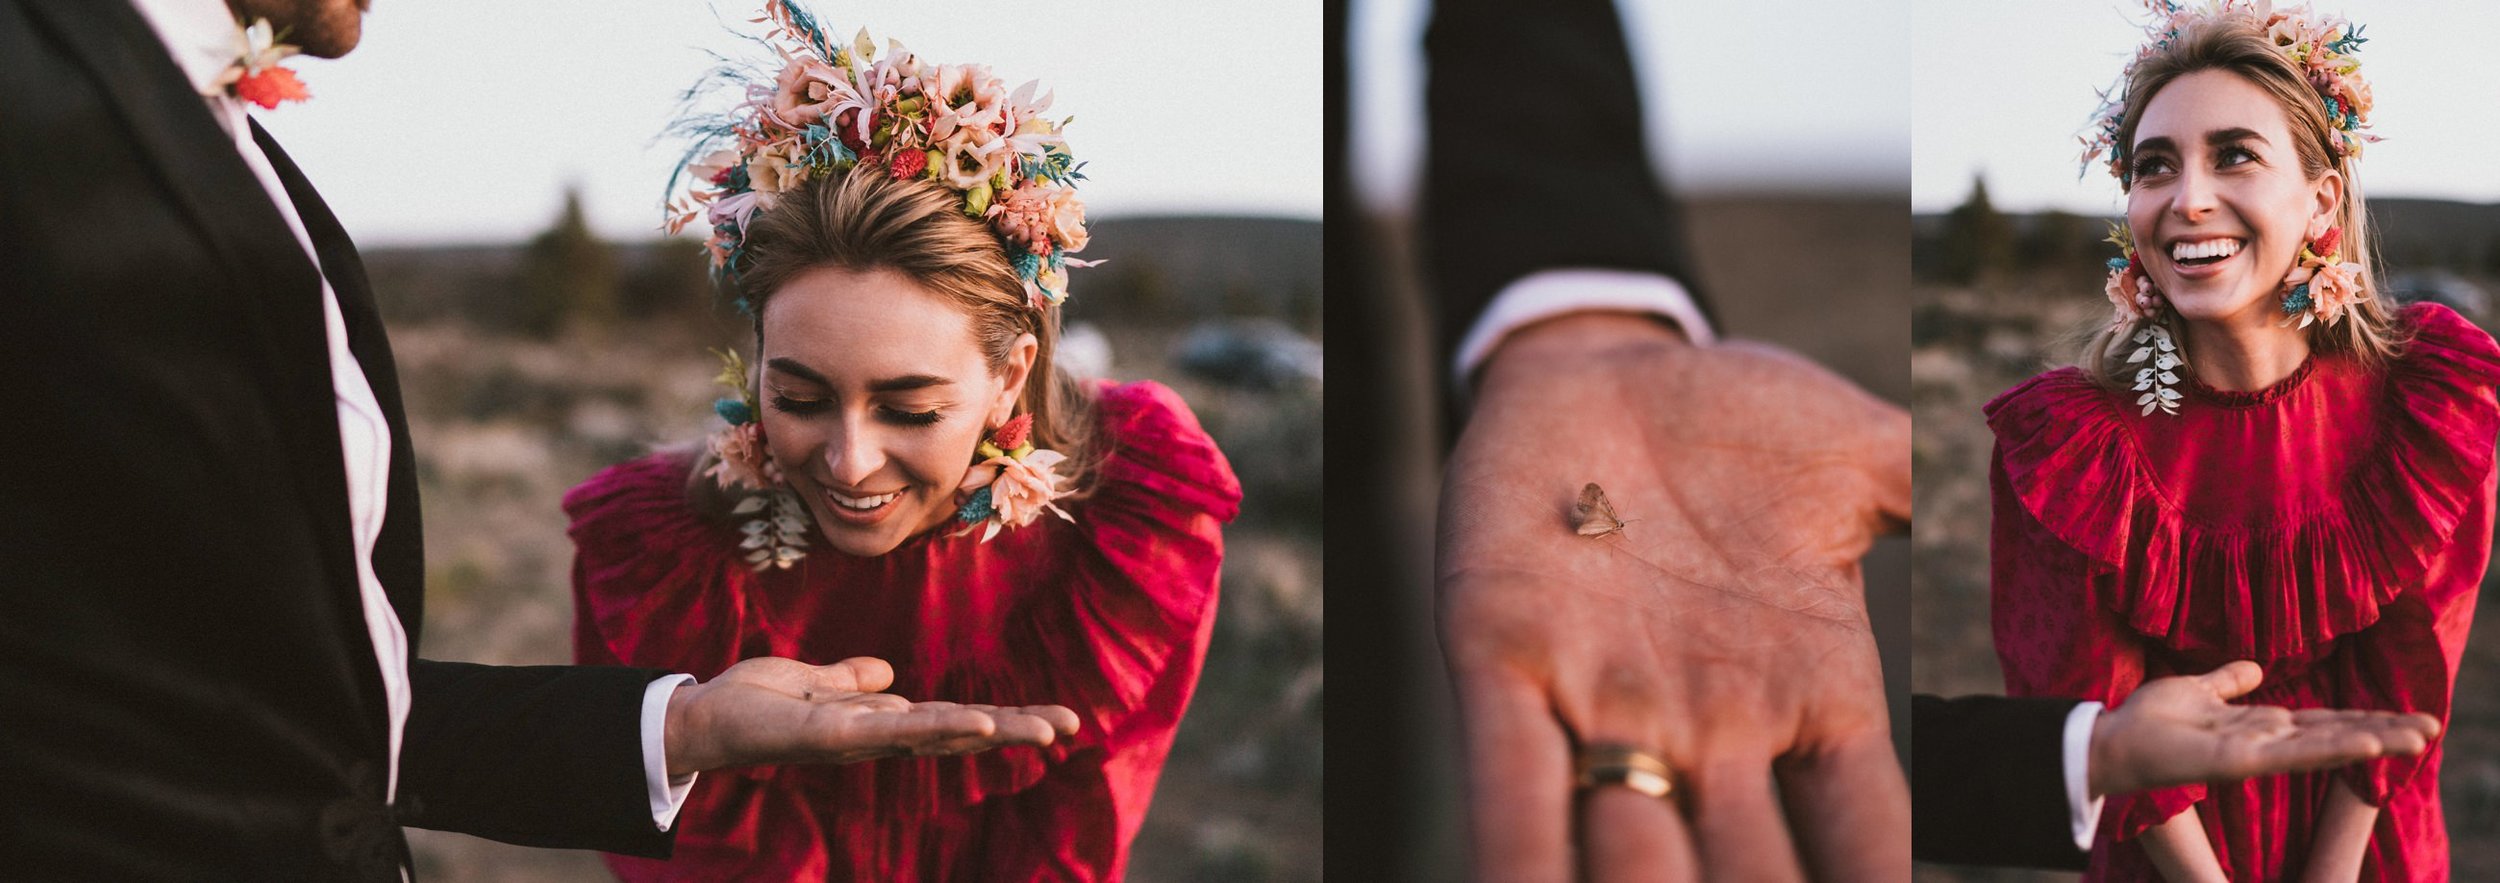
(875, 395)
(2219, 203)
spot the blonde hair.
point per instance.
(917, 228)
(2237, 43)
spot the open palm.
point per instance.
(1724, 629)
(2182, 730)
(771, 710)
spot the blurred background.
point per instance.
(1787, 147)
(2007, 258)
(502, 167)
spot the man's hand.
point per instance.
(784, 711)
(2179, 730)
(1723, 630)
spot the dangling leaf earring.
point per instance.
(2133, 299)
(776, 525)
(2321, 286)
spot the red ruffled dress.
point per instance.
(1109, 616)
(2333, 527)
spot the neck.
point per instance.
(2245, 354)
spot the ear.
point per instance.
(1019, 368)
(2329, 193)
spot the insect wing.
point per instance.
(1597, 516)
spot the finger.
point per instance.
(1017, 728)
(1630, 836)
(2233, 679)
(1519, 780)
(923, 726)
(1850, 810)
(1737, 823)
(858, 674)
(2315, 748)
(1061, 718)
(875, 701)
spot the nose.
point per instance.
(853, 454)
(2194, 200)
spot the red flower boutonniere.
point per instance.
(256, 76)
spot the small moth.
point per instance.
(1594, 516)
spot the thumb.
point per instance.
(858, 674)
(2233, 679)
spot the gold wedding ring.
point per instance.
(1641, 771)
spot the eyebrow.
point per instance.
(891, 384)
(2215, 138)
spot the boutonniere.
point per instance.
(256, 76)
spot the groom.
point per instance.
(211, 572)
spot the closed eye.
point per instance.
(901, 417)
(790, 404)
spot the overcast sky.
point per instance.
(2004, 89)
(464, 120)
(1802, 96)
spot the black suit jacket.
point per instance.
(1536, 158)
(1988, 782)
(187, 688)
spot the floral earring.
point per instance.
(776, 524)
(1011, 482)
(2321, 286)
(2134, 300)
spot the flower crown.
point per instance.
(835, 110)
(2321, 46)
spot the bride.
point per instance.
(907, 475)
(2260, 458)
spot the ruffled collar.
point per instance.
(2234, 398)
(2074, 458)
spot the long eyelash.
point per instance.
(788, 405)
(916, 418)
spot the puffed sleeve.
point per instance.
(2059, 630)
(2435, 491)
(1129, 643)
(654, 584)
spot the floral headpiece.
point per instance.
(836, 110)
(2321, 46)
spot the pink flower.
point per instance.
(804, 91)
(743, 459)
(1026, 215)
(2335, 288)
(1067, 224)
(2129, 293)
(775, 169)
(1024, 488)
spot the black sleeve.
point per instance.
(1988, 783)
(535, 755)
(1536, 158)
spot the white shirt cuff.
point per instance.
(1548, 293)
(2084, 807)
(668, 795)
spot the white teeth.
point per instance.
(2211, 248)
(863, 502)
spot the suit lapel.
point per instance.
(197, 165)
(398, 557)
(192, 154)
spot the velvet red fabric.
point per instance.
(2333, 527)
(1109, 616)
